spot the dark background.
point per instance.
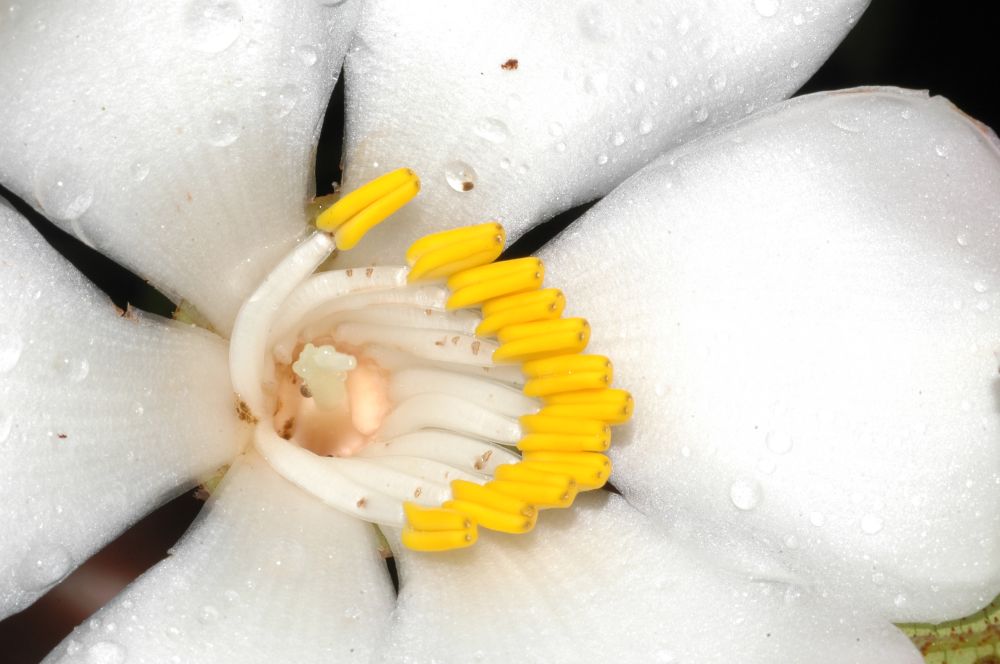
(907, 43)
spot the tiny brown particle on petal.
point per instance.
(510, 65)
(350, 272)
(244, 413)
(361, 502)
(467, 186)
(454, 341)
(475, 347)
(369, 272)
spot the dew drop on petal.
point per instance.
(602, 159)
(699, 114)
(73, 369)
(307, 54)
(213, 25)
(11, 346)
(63, 193)
(766, 8)
(817, 519)
(871, 524)
(208, 614)
(44, 566)
(492, 130)
(597, 23)
(745, 494)
(718, 81)
(778, 442)
(460, 176)
(105, 652)
(285, 101)
(645, 125)
(223, 129)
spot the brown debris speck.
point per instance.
(429, 312)
(61, 436)
(510, 65)
(244, 413)
(467, 186)
(441, 342)
(417, 492)
(487, 454)
(369, 272)
(350, 272)
(287, 428)
(361, 502)
(454, 341)
(475, 347)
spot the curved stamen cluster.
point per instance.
(439, 397)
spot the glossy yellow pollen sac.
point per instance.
(540, 495)
(587, 475)
(566, 373)
(479, 284)
(564, 442)
(524, 307)
(435, 518)
(608, 405)
(542, 338)
(438, 540)
(443, 254)
(494, 519)
(479, 494)
(518, 472)
(350, 218)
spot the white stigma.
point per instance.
(323, 371)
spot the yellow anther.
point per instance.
(608, 405)
(542, 423)
(587, 474)
(358, 212)
(438, 540)
(521, 308)
(475, 286)
(564, 442)
(542, 338)
(448, 252)
(436, 518)
(518, 472)
(566, 373)
(542, 495)
(494, 519)
(479, 494)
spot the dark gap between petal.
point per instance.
(529, 243)
(121, 285)
(330, 149)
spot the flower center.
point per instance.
(440, 397)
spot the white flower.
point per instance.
(803, 304)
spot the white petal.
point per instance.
(267, 574)
(601, 583)
(177, 137)
(600, 89)
(806, 308)
(102, 417)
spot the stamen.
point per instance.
(541, 339)
(442, 411)
(566, 373)
(484, 393)
(492, 509)
(480, 284)
(444, 254)
(610, 405)
(463, 452)
(437, 529)
(364, 208)
(521, 308)
(429, 344)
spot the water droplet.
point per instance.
(560, 147)
(231, 596)
(352, 613)
(718, 81)
(798, 19)
(745, 494)
(284, 101)
(556, 130)
(942, 150)
(980, 286)
(602, 159)
(223, 129)
(794, 64)
(638, 86)
(817, 519)
(10, 349)
(307, 54)
(906, 114)
(505, 163)
(63, 192)
(596, 23)
(963, 240)
(645, 125)
(845, 120)
(871, 524)
(672, 81)
(74, 369)
(982, 306)
(778, 442)
(878, 578)
(105, 652)
(139, 171)
(791, 542)
(699, 114)
(595, 84)
(44, 566)
(683, 25)
(460, 176)
(208, 614)
(658, 54)
(138, 408)
(492, 130)
(766, 8)
(618, 138)
(213, 25)
(899, 600)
